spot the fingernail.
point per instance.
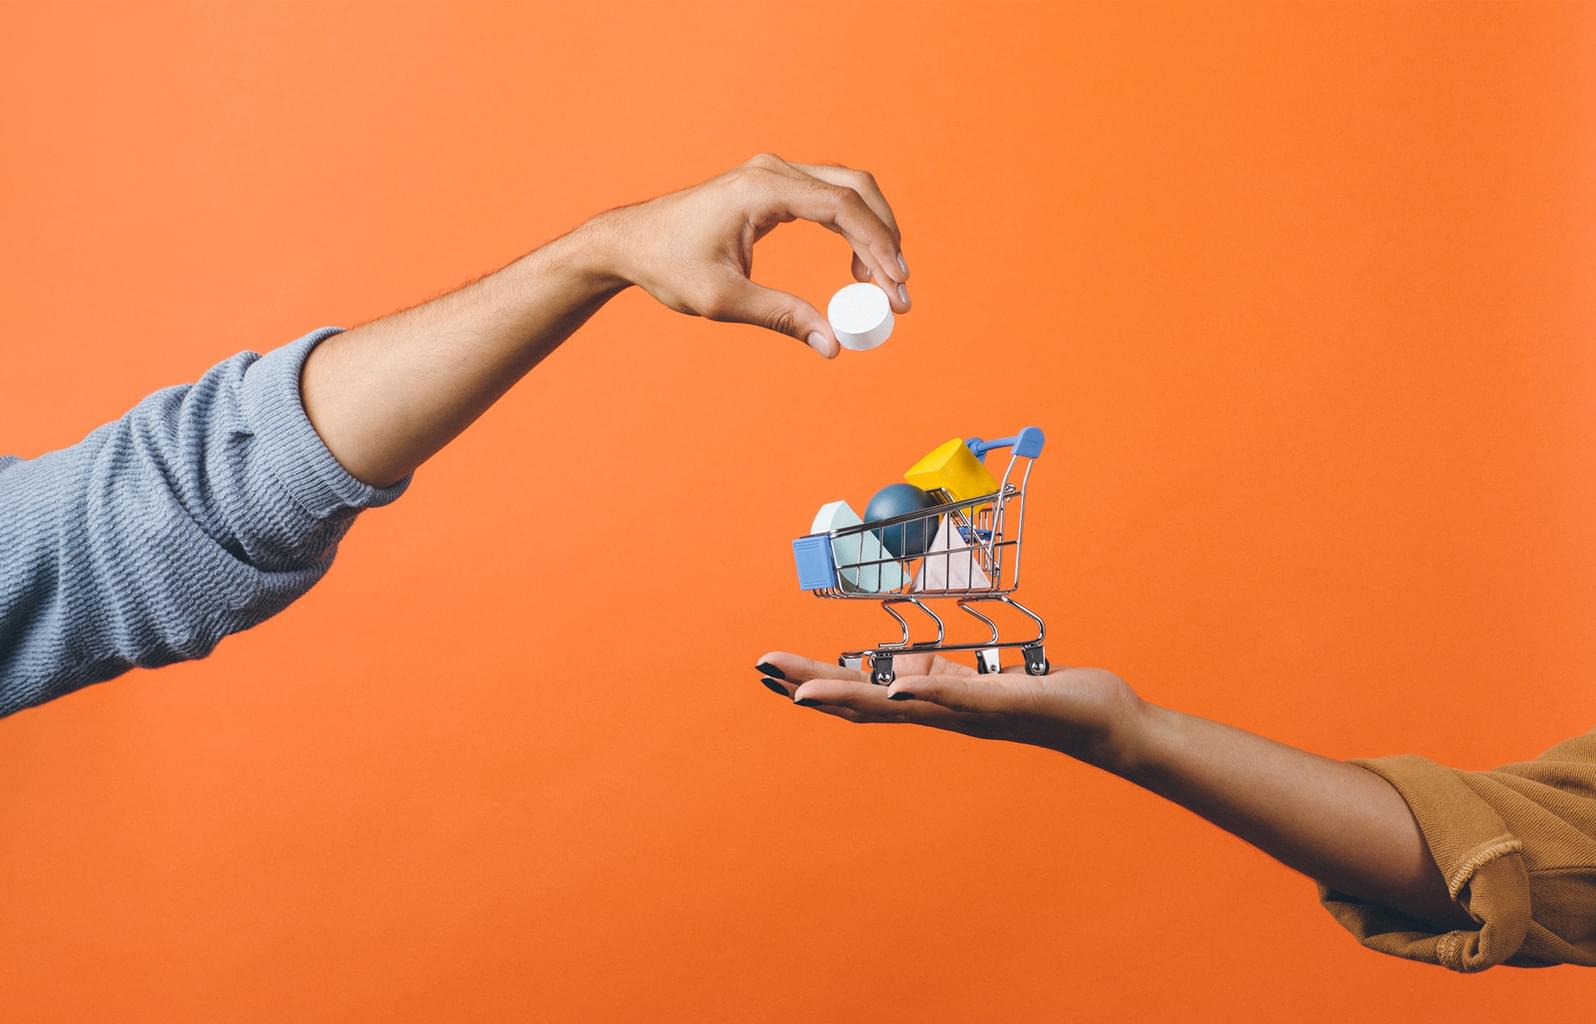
(806, 702)
(903, 293)
(901, 695)
(903, 265)
(817, 341)
(774, 687)
(766, 668)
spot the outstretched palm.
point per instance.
(1079, 711)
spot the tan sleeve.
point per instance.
(1517, 847)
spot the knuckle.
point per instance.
(834, 195)
(852, 203)
(766, 160)
(750, 180)
(781, 321)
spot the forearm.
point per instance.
(1333, 821)
(387, 395)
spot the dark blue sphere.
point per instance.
(902, 540)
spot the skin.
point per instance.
(1335, 822)
(387, 395)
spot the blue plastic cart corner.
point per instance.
(817, 570)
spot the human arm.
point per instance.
(211, 506)
(386, 395)
(1405, 885)
(205, 509)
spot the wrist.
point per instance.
(1129, 747)
(583, 260)
(595, 251)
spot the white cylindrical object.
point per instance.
(861, 316)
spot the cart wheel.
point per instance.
(987, 661)
(1036, 661)
(881, 671)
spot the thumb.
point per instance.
(744, 302)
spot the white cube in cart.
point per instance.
(861, 316)
(855, 548)
(951, 563)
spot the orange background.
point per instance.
(1303, 297)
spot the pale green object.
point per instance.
(855, 548)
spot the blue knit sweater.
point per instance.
(206, 509)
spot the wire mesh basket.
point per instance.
(965, 548)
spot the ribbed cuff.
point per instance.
(289, 445)
(1479, 857)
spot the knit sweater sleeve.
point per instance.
(1517, 848)
(206, 509)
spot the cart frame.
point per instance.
(991, 528)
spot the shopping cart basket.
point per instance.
(966, 549)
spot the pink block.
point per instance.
(950, 564)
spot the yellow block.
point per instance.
(953, 468)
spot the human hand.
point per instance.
(1087, 713)
(693, 250)
(1335, 822)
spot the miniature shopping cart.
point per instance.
(965, 548)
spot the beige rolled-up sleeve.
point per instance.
(1517, 848)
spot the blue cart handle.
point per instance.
(1027, 444)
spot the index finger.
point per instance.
(795, 668)
(862, 182)
(844, 211)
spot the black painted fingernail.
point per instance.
(774, 687)
(769, 670)
(901, 695)
(806, 702)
